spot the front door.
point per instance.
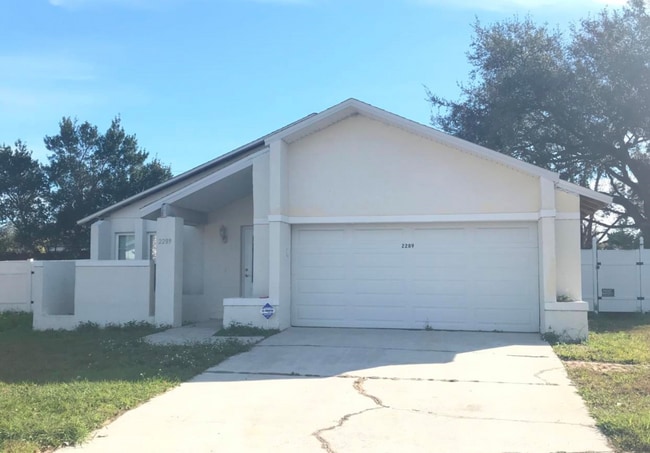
(246, 261)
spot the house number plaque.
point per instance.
(408, 245)
(164, 241)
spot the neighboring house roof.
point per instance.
(589, 199)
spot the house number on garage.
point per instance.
(164, 241)
(409, 245)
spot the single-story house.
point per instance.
(357, 217)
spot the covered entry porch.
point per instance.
(203, 247)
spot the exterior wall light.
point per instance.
(223, 233)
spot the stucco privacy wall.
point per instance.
(115, 292)
(361, 166)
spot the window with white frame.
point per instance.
(151, 250)
(125, 246)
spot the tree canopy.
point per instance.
(577, 104)
(23, 191)
(86, 171)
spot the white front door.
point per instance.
(247, 261)
(453, 276)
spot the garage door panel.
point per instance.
(440, 302)
(507, 258)
(314, 237)
(497, 317)
(387, 314)
(378, 286)
(444, 319)
(379, 273)
(439, 273)
(323, 258)
(321, 315)
(498, 236)
(376, 260)
(442, 259)
(516, 292)
(439, 287)
(433, 239)
(463, 277)
(322, 286)
(323, 273)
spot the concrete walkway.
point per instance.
(357, 390)
(194, 333)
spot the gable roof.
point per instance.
(589, 200)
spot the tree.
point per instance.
(23, 190)
(578, 106)
(89, 171)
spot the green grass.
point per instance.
(613, 338)
(57, 387)
(617, 396)
(245, 330)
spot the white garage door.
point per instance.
(455, 277)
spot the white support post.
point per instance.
(594, 269)
(261, 226)
(169, 271)
(640, 265)
(140, 239)
(547, 257)
(100, 240)
(279, 234)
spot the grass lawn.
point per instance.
(612, 372)
(57, 387)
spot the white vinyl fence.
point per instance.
(15, 286)
(616, 280)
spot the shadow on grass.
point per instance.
(617, 322)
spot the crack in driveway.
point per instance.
(383, 378)
(358, 386)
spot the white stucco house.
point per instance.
(357, 217)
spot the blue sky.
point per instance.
(196, 78)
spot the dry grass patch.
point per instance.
(612, 373)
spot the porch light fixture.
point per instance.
(223, 233)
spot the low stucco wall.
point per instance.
(567, 320)
(246, 311)
(113, 292)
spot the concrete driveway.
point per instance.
(364, 390)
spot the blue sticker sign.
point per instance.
(267, 310)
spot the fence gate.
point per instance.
(15, 286)
(622, 280)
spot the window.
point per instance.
(151, 251)
(126, 246)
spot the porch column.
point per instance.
(547, 257)
(280, 270)
(261, 226)
(100, 240)
(169, 271)
(279, 233)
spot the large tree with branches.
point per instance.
(576, 104)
